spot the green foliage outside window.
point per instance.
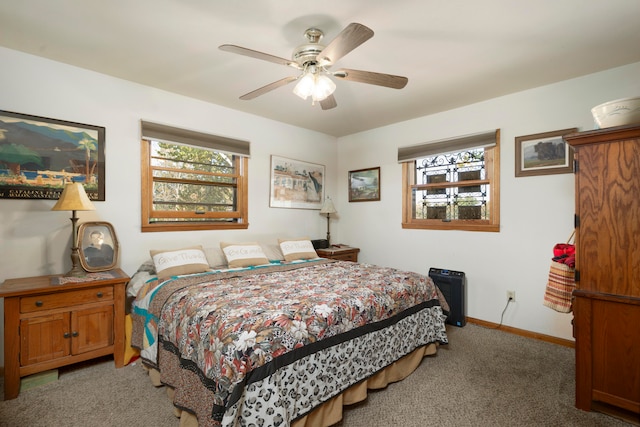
(196, 185)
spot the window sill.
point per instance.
(192, 227)
(453, 225)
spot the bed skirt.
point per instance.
(330, 412)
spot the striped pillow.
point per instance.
(294, 249)
(177, 262)
(243, 254)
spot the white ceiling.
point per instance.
(454, 52)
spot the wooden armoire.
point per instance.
(606, 301)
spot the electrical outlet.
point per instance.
(511, 296)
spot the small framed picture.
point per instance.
(544, 153)
(98, 246)
(364, 185)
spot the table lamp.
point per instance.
(328, 208)
(74, 198)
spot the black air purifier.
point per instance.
(320, 244)
(452, 285)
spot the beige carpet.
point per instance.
(482, 378)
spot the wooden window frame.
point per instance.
(242, 204)
(492, 168)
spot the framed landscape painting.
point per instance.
(39, 155)
(296, 184)
(364, 185)
(544, 153)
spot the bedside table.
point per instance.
(343, 253)
(48, 325)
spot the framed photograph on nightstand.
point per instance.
(98, 246)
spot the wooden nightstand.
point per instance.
(343, 253)
(48, 325)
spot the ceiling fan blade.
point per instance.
(328, 103)
(387, 80)
(350, 38)
(258, 55)
(268, 88)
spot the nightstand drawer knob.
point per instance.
(99, 294)
(39, 303)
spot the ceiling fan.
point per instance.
(314, 61)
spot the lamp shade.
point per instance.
(328, 207)
(73, 198)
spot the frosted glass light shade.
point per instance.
(323, 88)
(316, 86)
(305, 86)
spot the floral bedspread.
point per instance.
(266, 345)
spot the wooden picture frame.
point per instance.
(364, 185)
(39, 155)
(544, 153)
(98, 246)
(296, 184)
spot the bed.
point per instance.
(280, 337)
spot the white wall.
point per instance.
(536, 212)
(36, 241)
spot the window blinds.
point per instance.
(164, 133)
(450, 145)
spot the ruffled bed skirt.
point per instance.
(330, 412)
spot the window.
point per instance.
(452, 184)
(192, 181)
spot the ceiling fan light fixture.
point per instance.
(305, 87)
(314, 60)
(323, 88)
(314, 85)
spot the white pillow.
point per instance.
(243, 254)
(294, 249)
(176, 262)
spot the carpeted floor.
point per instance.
(482, 378)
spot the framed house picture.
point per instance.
(544, 153)
(364, 185)
(296, 184)
(39, 155)
(98, 246)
